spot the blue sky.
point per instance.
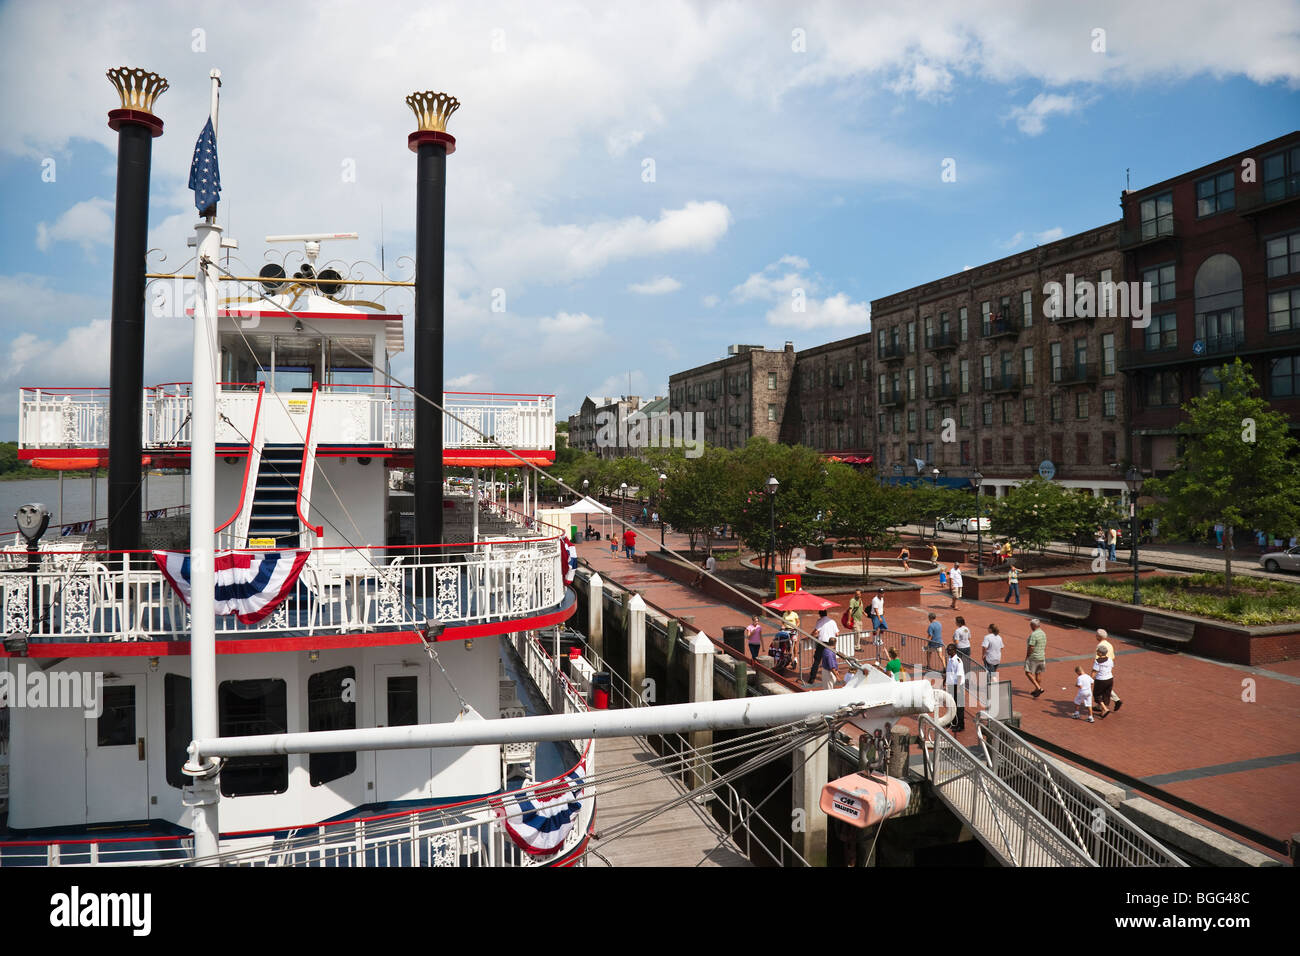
(793, 147)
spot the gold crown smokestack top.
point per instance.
(432, 144)
(136, 127)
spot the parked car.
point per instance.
(964, 525)
(1281, 560)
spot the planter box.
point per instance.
(1219, 640)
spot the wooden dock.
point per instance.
(683, 836)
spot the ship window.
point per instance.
(244, 357)
(253, 707)
(349, 360)
(403, 701)
(177, 728)
(117, 722)
(332, 705)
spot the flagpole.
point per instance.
(204, 796)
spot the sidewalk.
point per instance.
(1224, 736)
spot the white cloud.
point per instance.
(619, 143)
(1031, 118)
(465, 381)
(710, 301)
(1049, 235)
(793, 303)
(89, 223)
(835, 311)
(660, 285)
(1013, 242)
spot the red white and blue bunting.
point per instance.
(543, 817)
(250, 585)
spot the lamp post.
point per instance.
(585, 485)
(660, 509)
(978, 479)
(772, 485)
(1134, 481)
(622, 494)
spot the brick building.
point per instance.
(832, 404)
(742, 395)
(585, 427)
(1024, 372)
(1220, 246)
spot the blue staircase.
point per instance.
(275, 496)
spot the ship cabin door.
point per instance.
(401, 698)
(117, 771)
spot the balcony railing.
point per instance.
(1225, 343)
(1272, 194)
(97, 596)
(890, 397)
(1078, 373)
(1158, 230)
(892, 352)
(1002, 383)
(941, 390)
(363, 415)
(1001, 326)
(939, 341)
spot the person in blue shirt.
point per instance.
(934, 631)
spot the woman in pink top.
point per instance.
(754, 635)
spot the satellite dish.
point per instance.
(332, 287)
(271, 275)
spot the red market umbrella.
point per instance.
(800, 600)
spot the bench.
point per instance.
(1071, 608)
(1167, 630)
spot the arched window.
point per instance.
(1220, 321)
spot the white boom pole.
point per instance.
(881, 699)
(204, 795)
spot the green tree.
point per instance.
(800, 501)
(924, 504)
(1237, 466)
(1035, 513)
(861, 511)
(694, 497)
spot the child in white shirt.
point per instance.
(1082, 699)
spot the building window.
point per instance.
(1284, 377)
(898, 422)
(1027, 363)
(771, 381)
(1057, 408)
(1081, 406)
(1284, 311)
(253, 708)
(963, 375)
(1214, 194)
(986, 370)
(1283, 254)
(1162, 333)
(911, 336)
(1027, 308)
(963, 413)
(911, 384)
(1028, 411)
(911, 421)
(986, 450)
(1109, 450)
(328, 708)
(1081, 352)
(771, 413)
(986, 317)
(177, 729)
(1162, 282)
(1030, 448)
(1008, 449)
(930, 419)
(986, 413)
(965, 453)
(1209, 382)
(1162, 389)
(1081, 448)
(1056, 361)
(866, 369)
(1282, 174)
(1106, 295)
(962, 324)
(1108, 403)
(1006, 413)
(1157, 215)
(1058, 449)
(1108, 353)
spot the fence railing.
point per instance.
(1008, 826)
(1100, 831)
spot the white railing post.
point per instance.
(636, 610)
(596, 614)
(701, 677)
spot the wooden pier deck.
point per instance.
(683, 836)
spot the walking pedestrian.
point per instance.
(992, 645)
(878, 612)
(1103, 680)
(710, 565)
(1036, 656)
(954, 583)
(955, 681)
(826, 630)
(905, 556)
(629, 544)
(754, 637)
(1013, 584)
(1112, 540)
(1082, 697)
(961, 637)
(613, 543)
(1103, 644)
(933, 631)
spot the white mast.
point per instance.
(204, 795)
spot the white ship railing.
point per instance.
(88, 596)
(346, 415)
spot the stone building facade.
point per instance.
(833, 400)
(740, 396)
(998, 371)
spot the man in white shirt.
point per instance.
(878, 612)
(826, 630)
(954, 582)
(955, 681)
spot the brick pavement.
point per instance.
(1180, 713)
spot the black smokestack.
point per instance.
(136, 128)
(431, 145)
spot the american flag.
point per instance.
(205, 177)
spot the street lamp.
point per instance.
(662, 479)
(622, 493)
(772, 485)
(1134, 481)
(978, 479)
(585, 485)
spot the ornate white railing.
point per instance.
(78, 417)
(98, 596)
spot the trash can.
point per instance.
(827, 551)
(600, 685)
(573, 533)
(734, 637)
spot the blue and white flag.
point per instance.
(250, 584)
(541, 821)
(205, 177)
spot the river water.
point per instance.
(164, 491)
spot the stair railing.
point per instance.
(308, 469)
(246, 493)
